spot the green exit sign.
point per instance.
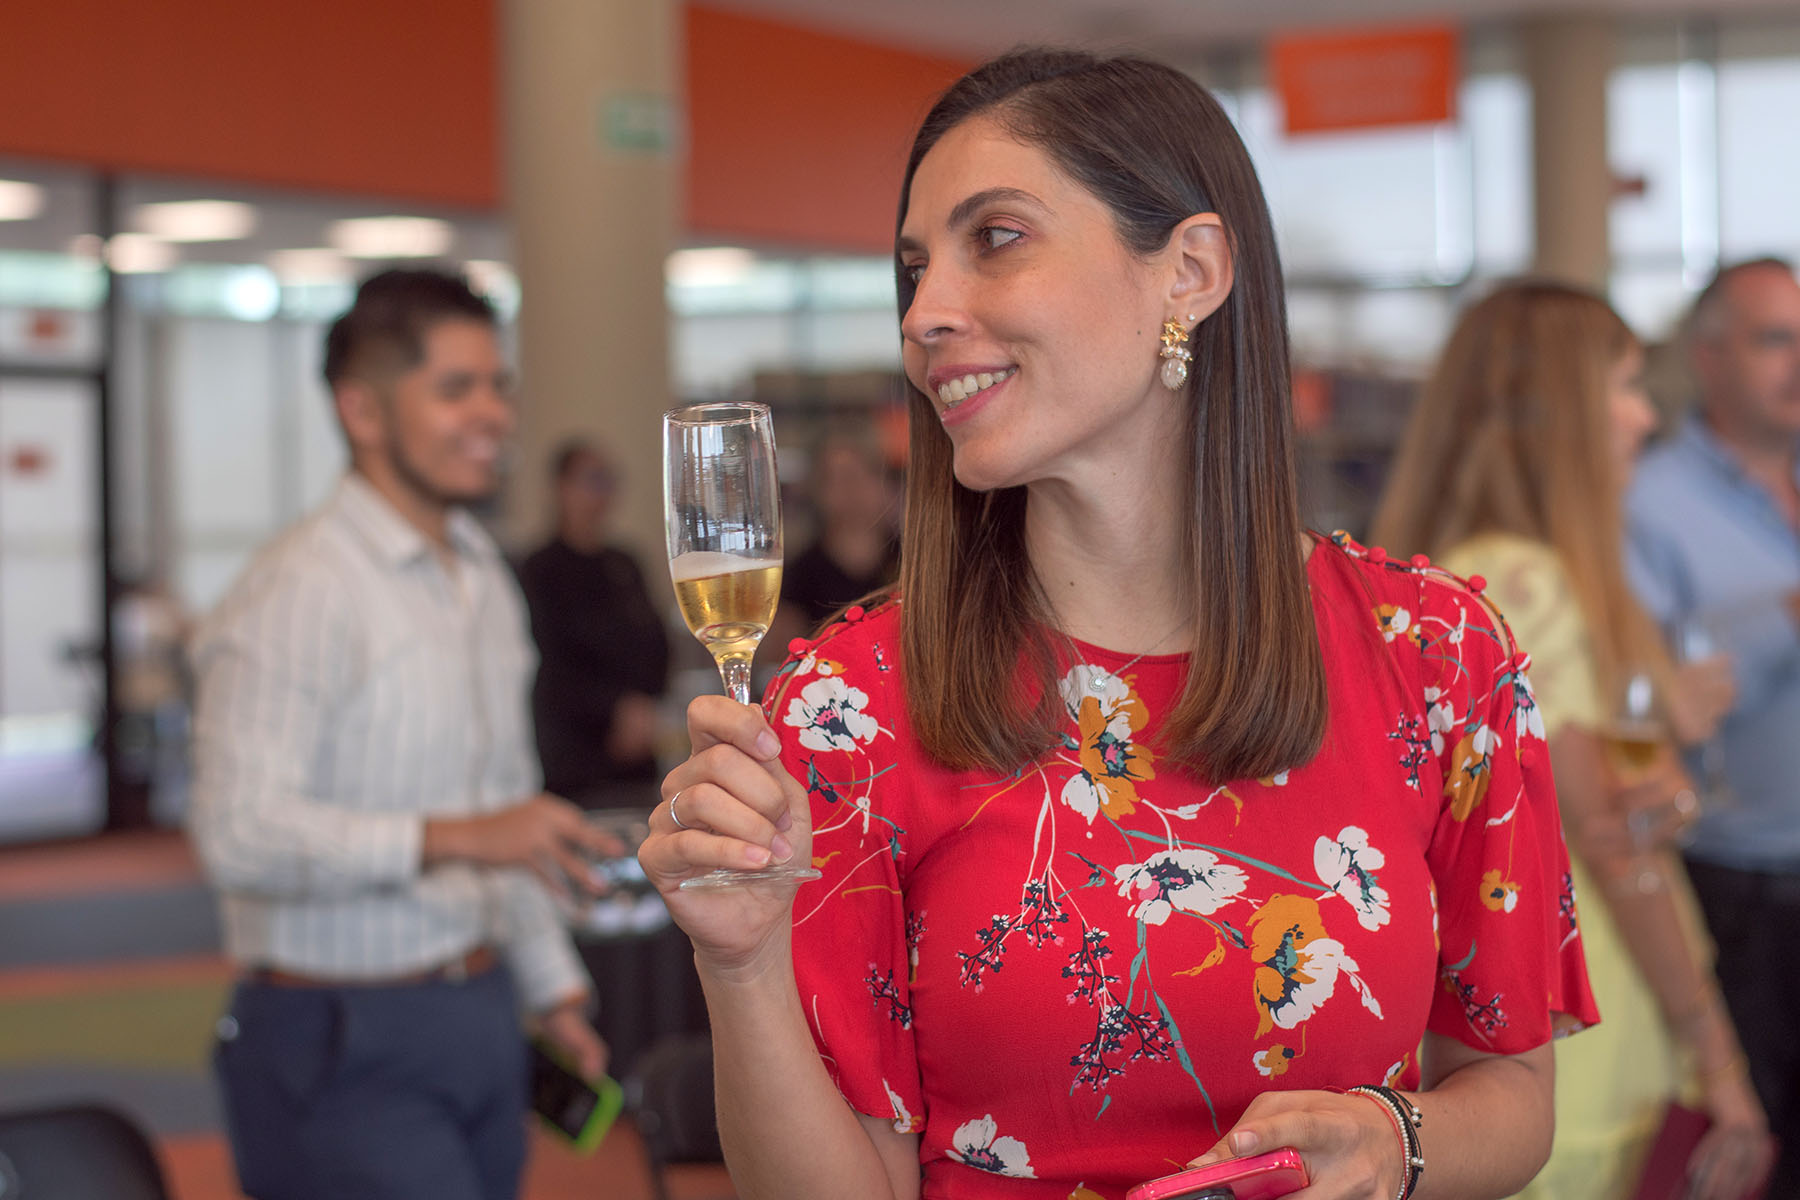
(637, 122)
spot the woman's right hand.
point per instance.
(1737, 1153)
(1654, 810)
(1704, 693)
(739, 808)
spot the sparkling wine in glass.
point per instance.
(722, 505)
(1634, 737)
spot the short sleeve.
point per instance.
(1510, 958)
(1526, 581)
(835, 706)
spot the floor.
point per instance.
(111, 980)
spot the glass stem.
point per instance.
(735, 671)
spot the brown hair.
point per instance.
(1513, 435)
(383, 333)
(1156, 149)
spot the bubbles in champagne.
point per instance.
(727, 600)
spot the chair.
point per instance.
(82, 1152)
(671, 1097)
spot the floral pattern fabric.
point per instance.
(1077, 974)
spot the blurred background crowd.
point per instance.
(668, 203)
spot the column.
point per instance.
(592, 96)
(1567, 58)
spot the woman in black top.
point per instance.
(604, 652)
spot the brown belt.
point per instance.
(466, 966)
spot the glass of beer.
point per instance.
(722, 509)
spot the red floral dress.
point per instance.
(1074, 977)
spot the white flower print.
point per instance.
(1347, 866)
(975, 1145)
(1528, 719)
(829, 714)
(1314, 979)
(1082, 795)
(1439, 716)
(904, 1121)
(1190, 880)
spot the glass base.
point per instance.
(725, 878)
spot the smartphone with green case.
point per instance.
(579, 1110)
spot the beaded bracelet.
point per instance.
(1408, 1120)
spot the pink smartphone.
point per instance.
(1256, 1177)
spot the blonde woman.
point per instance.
(1513, 470)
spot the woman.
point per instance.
(855, 552)
(1141, 814)
(1513, 468)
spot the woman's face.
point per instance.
(1631, 413)
(1034, 330)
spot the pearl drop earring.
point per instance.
(1175, 355)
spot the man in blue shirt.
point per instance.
(1714, 540)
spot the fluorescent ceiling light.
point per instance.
(196, 220)
(488, 275)
(390, 237)
(20, 201)
(139, 254)
(252, 294)
(709, 266)
(311, 264)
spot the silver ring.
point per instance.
(673, 816)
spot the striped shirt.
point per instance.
(350, 686)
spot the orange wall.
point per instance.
(394, 97)
(800, 137)
(796, 137)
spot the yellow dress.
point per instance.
(1612, 1081)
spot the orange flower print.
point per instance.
(1470, 772)
(1082, 1192)
(1274, 1061)
(1299, 963)
(1107, 713)
(1501, 895)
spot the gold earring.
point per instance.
(1175, 355)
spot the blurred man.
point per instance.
(603, 649)
(1715, 539)
(366, 794)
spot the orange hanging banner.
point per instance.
(1365, 79)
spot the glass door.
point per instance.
(52, 781)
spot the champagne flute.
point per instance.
(1633, 738)
(1694, 642)
(722, 505)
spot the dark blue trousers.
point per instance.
(376, 1093)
